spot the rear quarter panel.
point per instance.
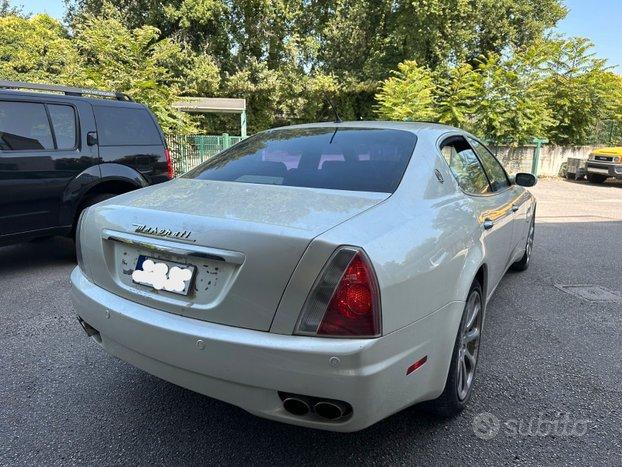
(424, 243)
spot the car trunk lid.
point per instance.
(244, 240)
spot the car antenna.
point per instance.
(334, 109)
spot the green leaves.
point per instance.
(103, 53)
(408, 94)
(555, 89)
(484, 65)
(582, 91)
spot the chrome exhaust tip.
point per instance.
(90, 330)
(331, 410)
(296, 406)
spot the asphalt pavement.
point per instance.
(549, 386)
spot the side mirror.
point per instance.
(91, 138)
(525, 179)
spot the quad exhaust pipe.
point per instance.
(296, 406)
(332, 410)
(327, 409)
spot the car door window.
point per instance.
(24, 126)
(64, 122)
(465, 166)
(498, 178)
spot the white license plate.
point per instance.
(163, 275)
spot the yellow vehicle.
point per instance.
(604, 163)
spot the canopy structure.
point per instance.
(215, 105)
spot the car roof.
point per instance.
(66, 97)
(430, 128)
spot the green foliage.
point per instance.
(553, 89)
(290, 43)
(137, 62)
(457, 91)
(103, 53)
(36, 49)
(581, 90)
(408, 94)
(511, 108)
(484, 65)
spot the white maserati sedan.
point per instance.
(325, 275)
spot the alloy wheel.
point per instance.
(469, 345)
(532, 229)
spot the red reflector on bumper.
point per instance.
(418, 364)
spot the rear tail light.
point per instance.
(169, 164)
(345, 299)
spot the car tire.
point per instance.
(90, 201)
(456, 394)
(596, 178)
(523, 263)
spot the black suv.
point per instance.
(62, 152)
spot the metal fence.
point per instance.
(188, 151)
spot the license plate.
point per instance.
(163, 275)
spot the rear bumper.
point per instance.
(604, 168)
(247, 367)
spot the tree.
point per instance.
(511, 107)
(103, 53)
(357, 42)
(457, 91)
(501, 99)
(581, 91)
(37, 49)
(408, 94)
(6, 9)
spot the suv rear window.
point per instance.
(124, 126)
(357, 159)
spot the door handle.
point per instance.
(488, 224)
(515, 208)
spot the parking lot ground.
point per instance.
(548, 391)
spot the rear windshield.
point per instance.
(357, 159)
(125, 126)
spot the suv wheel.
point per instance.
(596, 178)
(461, 377)
(89, 202)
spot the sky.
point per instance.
(598, 20)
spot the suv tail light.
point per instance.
(169, 164)
(345, 299)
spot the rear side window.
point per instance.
(496, 174)
(356, 159)
(465, 166)
(64, 122)
(123, 126)
(24, 126)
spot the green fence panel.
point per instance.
(188, 151)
